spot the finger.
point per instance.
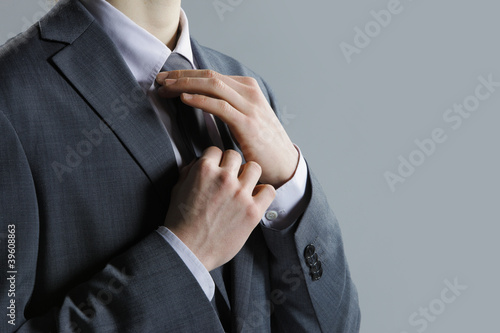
(218, 107)
(250, 175)
(160, 78)
(201, 73)
(216, 87)
(231, 160)
(212, 154)
(264, 195)
(238, 83)
(244, 80)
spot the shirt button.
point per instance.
(271, 215)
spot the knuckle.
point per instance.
(246, 80)
(210, 73)
(205, 167)
(174, 74)
(249, 123)
(241, 197)
(249, 81)
(212, 148)
(216, 83)
(252, 212)
(225, 107)
(255, 111)
(184, 81)
(254, 92)
(200, 98)
(225, 178)
(253, 82)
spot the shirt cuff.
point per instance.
(290, 201)
(192, 262)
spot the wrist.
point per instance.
(190, 242)
(288, 171)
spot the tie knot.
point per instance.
(176, 62)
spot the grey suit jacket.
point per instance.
(86, 170)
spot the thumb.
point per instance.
(264, 195)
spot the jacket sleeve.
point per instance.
(312, 290)
(147, 288)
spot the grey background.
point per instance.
(352, 121)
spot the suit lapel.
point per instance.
(93, 65)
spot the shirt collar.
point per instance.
(144, 54)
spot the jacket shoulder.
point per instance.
(18, 49)
(221, 62)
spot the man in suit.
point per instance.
(116, 218)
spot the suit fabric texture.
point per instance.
(86, 171)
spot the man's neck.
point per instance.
(158, 17)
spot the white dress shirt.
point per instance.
(145, 55)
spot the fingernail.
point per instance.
(168, 82)
(187, 97)
(161, 76)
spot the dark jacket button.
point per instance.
(316, 276)
(309, 251)
(312, 260)
(316, 268)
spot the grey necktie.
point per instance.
(189, 120)
(196, 139)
